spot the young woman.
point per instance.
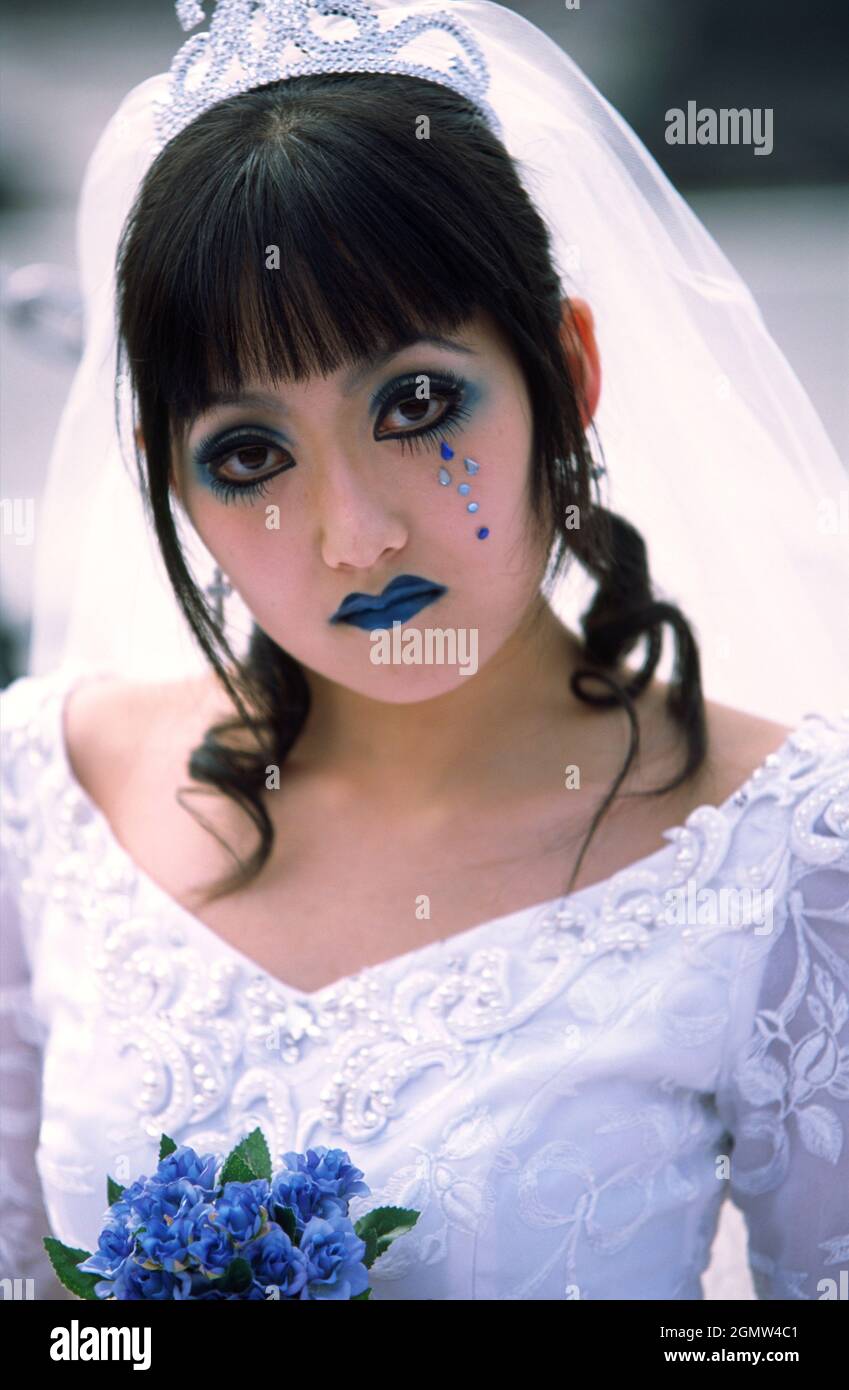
(421, 871)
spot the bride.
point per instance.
(509, 934)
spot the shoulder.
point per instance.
(99, 724)
(739, 742)
(822, 731)
(793, 800)
(745, 752)
(743, 730)
(108, 722)
(792, 761)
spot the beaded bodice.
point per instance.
(566, 1093)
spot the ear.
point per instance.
(579, 341)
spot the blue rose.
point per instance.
(174, 1235)
(317, 1183)
(168, 1241)
(275, 1260)
(334, 1254)
(149, 1200)
(181, 1173)
(184, 1162)
(114, 1246)
(136, 1282)
(242, 1209)
(212, 1247)
(134, 1196)
(296, 1190)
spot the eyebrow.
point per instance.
(353, 381)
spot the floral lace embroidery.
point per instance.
(204, 1026)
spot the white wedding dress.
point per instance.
(558, 1091)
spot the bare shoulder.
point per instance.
(743, 734)
(738, 743)
(112, 723)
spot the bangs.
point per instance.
(297, 253)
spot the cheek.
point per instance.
(250, 543)
(501, 487)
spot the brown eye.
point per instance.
(418, 413)
(244, 463)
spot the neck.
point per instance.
(500, 721)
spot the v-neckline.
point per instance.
(68, 681)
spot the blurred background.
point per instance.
(782, 219)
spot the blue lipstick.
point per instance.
(403, 597)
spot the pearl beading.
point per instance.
(227, 59)
(198, 1023)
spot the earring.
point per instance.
(463, 488)
(216, 591)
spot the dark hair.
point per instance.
(384, 237)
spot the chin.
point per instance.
(394, 682)
(402, 685)
(411, 662)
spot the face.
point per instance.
(308, 493)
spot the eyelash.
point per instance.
(447, 383)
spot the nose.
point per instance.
(361, 525)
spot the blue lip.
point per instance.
(402, 588)
(398, 612)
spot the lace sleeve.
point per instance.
(784, 1093)
(23, 1220)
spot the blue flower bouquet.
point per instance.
(192, 1231)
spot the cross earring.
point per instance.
(463, 488)
(219, 589)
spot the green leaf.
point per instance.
(238, 1277)
(249, 1160)
(113, 1190)
(64, 1260)
(366, 1293)
(166, 1147)
(378, 1228)
(236, 1170)
(287, 1219)
(257, 1154)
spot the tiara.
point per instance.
(252, 42)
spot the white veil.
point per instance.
(712, 448)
